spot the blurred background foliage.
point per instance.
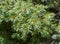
(29, 21)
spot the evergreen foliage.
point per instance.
(27, 21)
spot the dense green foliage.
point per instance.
(22, 21)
